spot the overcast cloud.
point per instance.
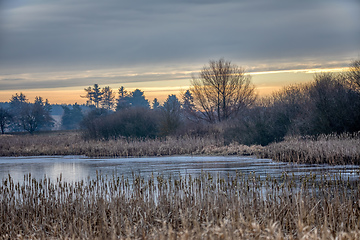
(39, 38)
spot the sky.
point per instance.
(55, 49)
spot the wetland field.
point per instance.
(204, 206)
(331, 149)
(178, 188)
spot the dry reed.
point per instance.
(191, 207)
(330, 149)
(71, 143)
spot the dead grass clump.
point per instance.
(177, 207)
(232, 149)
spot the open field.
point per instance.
(331, 149)
(194, 207)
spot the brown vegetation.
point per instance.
(72, 143)
(330, 149)
(191, 207)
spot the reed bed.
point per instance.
(331, 149)
(72, 143)
(191, 207)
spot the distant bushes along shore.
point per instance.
(330, 104)
(325, 106)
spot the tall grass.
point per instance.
(331, 149)
(72, 143)
(191, 207)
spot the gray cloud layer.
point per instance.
(66, 35)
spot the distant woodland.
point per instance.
(220, 102)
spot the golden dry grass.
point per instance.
(330, 149)
(71, 143)
(191, 207)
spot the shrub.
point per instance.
(132, 122)
(258, 126)
(334, 107)
(325, 106)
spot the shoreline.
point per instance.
(331, 149)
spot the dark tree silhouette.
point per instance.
(108, 97)
(37, 116)
(137, 99)
(134, 99)
(71, 118)
(31, 116)
(155, 104)
(94, 95)
(5, 119)
(18, 106)
(171, 115)
(353, 75)
(17, 102)
(123, 100)
(188, 105)
(335, 107)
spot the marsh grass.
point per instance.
(192, 207)
(72, 143)
(331, 149)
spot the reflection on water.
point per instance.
(75, 168)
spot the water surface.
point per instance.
(75, 168)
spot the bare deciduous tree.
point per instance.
(353, 76)
(222, 90)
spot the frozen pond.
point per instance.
(75, 168)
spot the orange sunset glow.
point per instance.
(265, 83)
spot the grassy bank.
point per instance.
(71, 143)
(331, 149)
(194, 207)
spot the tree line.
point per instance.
(329, 104)
(130, 114)
(221, 101)
(23, 115)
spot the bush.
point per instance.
(334, 107)
(327, 105)
(132, 122)
(258, 126)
